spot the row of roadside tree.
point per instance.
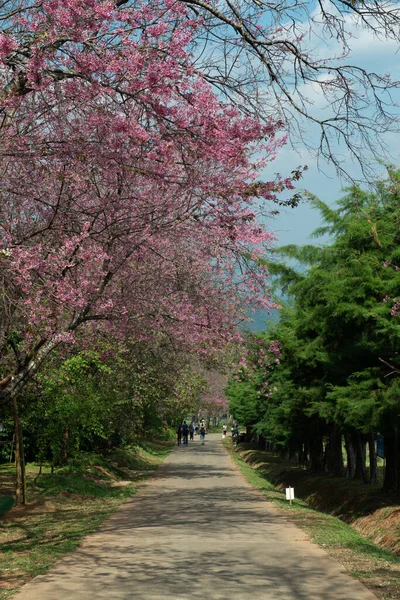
(335, 386)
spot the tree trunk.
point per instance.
(392, 456)
(361, 468)
(65, 446)
(12, 385)
(249, 433)
(303, 453)
(316, 454)
(333, 451)
(40, 470)
(12, 447)
(262, 442)
(306, 453)
(20, 487)
(351, 454)
(373, 466)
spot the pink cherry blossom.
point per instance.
(129, 190)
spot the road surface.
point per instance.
(196, 530)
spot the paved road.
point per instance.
(196, 531)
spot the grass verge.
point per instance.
(67, 506)
(376, 568)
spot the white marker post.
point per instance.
(290, 494)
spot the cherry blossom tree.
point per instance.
(130, 191)
(268, 58)
(213, 402)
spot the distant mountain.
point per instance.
(261, 319)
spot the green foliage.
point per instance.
(104, 398)
(340, 343)
(74, 405)
(243, 401)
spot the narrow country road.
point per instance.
(196, 530)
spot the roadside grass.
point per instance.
(347, 498)
(67, 506)
(377, 568)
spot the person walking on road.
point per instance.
(202, 433)
(191, 432)
(223, 432)
(179, 434)
(185, 433)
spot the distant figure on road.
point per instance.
(202, 433)
(235, 434)
(185, 433)
(179, 434)
(223, 432)
(191, 432)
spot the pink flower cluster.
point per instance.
(129, 194)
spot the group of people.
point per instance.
(187, 432)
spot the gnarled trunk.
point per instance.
(12, 385)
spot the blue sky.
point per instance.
(375, 55)
(294, 226)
